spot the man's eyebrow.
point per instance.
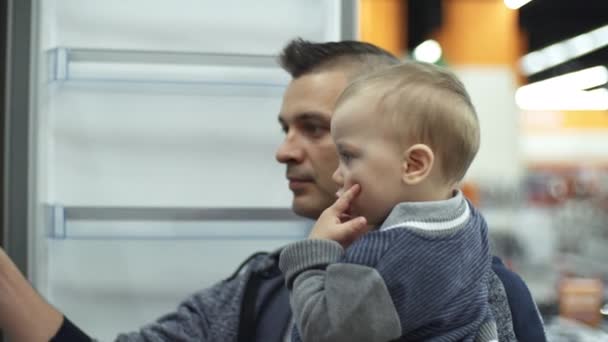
(307, 116)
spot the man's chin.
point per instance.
(306, 207)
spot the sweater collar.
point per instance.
(432, 215)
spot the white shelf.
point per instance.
(106, 223)
(70, 64)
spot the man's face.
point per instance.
(370, 155)
(308, 150)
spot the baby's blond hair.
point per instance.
(425, 103)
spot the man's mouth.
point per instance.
(296, 183)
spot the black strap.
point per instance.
(247, 324)
(244, 263)
(69, 332)
(273, 313)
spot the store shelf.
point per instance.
(583, 265)
(94, 223)
(69, 64)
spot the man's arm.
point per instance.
(24, 314)
(336, 302)
(209, 315)
(527, 323)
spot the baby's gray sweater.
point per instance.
(423, 276)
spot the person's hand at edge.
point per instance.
(24, 315)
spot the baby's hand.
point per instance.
(332, 225)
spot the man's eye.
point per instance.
(314, 130)
(284, 129)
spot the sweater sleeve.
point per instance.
(209, 315)
(335, 301)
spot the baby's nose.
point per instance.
(337, 177)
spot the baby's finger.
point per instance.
(353, 229)
(343, 202)
(344, 217)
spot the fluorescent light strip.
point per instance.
(515, 4)
(564, 51)
(578, 80)
(567, 92)
(560, 99)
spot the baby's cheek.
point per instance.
(374, 208)
(364, 205)
(357, 207)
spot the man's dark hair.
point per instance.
(300, 57)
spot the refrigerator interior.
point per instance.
(156, 126)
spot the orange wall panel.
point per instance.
(383, 23)
(480, 32)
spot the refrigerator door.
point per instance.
(156, 129)
(15, 134)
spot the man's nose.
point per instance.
(290, 150)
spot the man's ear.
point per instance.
(418, 161)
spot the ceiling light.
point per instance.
(566, 92)
(546, 99)
(578, 80)
(428, 51)
(515, 4)
(552, 55)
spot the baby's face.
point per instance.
(370, 155)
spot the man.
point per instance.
(253, 304)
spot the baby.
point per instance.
(405, 136)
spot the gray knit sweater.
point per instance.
(422, 276)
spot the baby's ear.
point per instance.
(417, 163)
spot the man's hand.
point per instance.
(335, 224)
(24, 314)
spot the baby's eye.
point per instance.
(346, 157)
